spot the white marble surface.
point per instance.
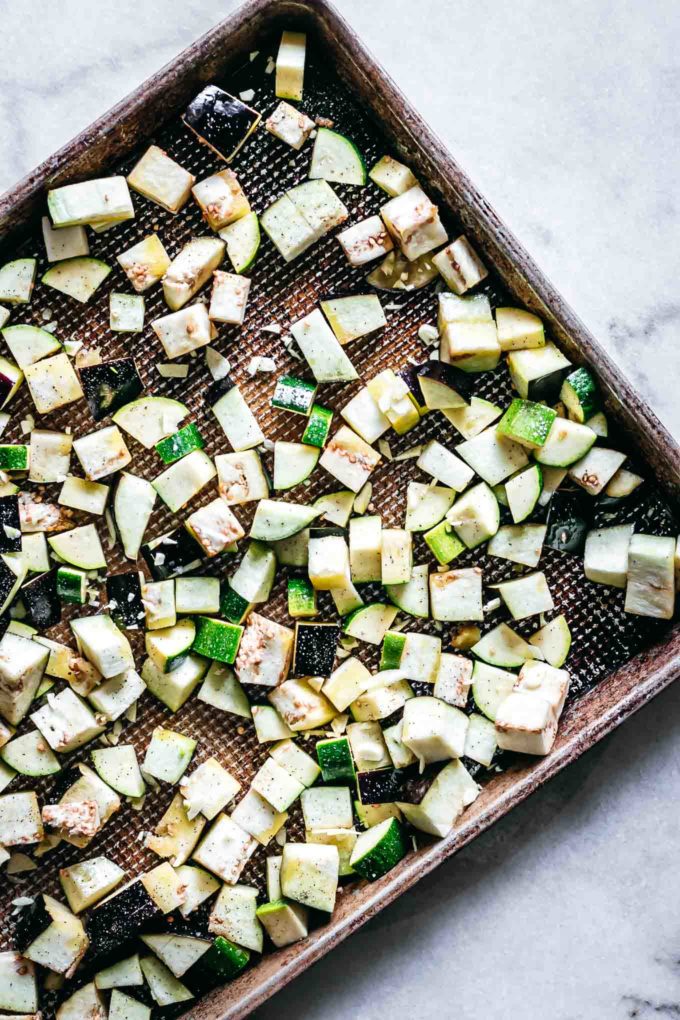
(567, 116)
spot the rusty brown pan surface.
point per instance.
(618, 662)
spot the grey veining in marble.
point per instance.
(567, 117)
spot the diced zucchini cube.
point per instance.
(160, 179)
(456, 595)
(309, 874)
(53, 383)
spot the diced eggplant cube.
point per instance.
(228, 298)
(265, 652)
(290, 125)
(220, 121)
(413, 220)
(365, 241)
(315, 647)
(221, 199)
(10, 524)
(41, 601)
(460, 265)
(124, 593)
(525, 722)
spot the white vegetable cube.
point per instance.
(309, 874)
(392, 176)
(160, 179)
(444, 466)
(50, 457)
(265, 652)
(301, 706)
(221, 199)
(289, 125)
(234, 917)
(102, 453)
(549, 683)
(20, 819)
(184, 479)
(104, 644)
(296, 761)
(321, 349)
(100, 201)
(62, 944)
(365, 417)
(126, 313)
(22, 664)
(606, 555)
(365, 241)
(208, 789)
(240, 426)
(525, 722)
(257, 817)
(433, 730)
(527, 596)
(454, 679)
(229, 297)
(65, 243)
(168, 755)
(184, 331)
(456, 595)
(413, 220)
(365, 548)
(319, 205)
(469, 338)
(327, 807)
(492, 456)
(328, 563)
(145, 263)
(290, 65)
(225, 849)
(18, 986)
(288, 229)
(480, 740)
(214, 526)
(53, 383)
(349, 458)
(190, 269)
(519, 329)
(240, 477)
(198, 886)
(394, 400)
(598, 467)
(396, 556)
(276, 785)
(460, 265)
(346, 683)
(650, 590)
(66, 722)
(285, 923)
(420, 657)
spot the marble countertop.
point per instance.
(567, 117)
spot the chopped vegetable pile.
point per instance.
(375, 760)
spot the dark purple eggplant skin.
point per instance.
(179, 553)
(449, 375)
(7, 581)
(31, 921)
(119, 920)
(220, 120)
(315, 645)
(569, 517)
(9, 518)
(218, 389)
(127, 612)
(42, 603)
(110, 385)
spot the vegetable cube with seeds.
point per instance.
(221, 199)
(229, 297)
(290, 125)
(145, 263)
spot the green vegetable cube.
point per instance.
(335, 759)
(216, 639)
(444, 543)
(301, 597)
(14, 458)
(180, 444)
(527, 423)
(392, 649)
(318, 427)
(293, 394)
